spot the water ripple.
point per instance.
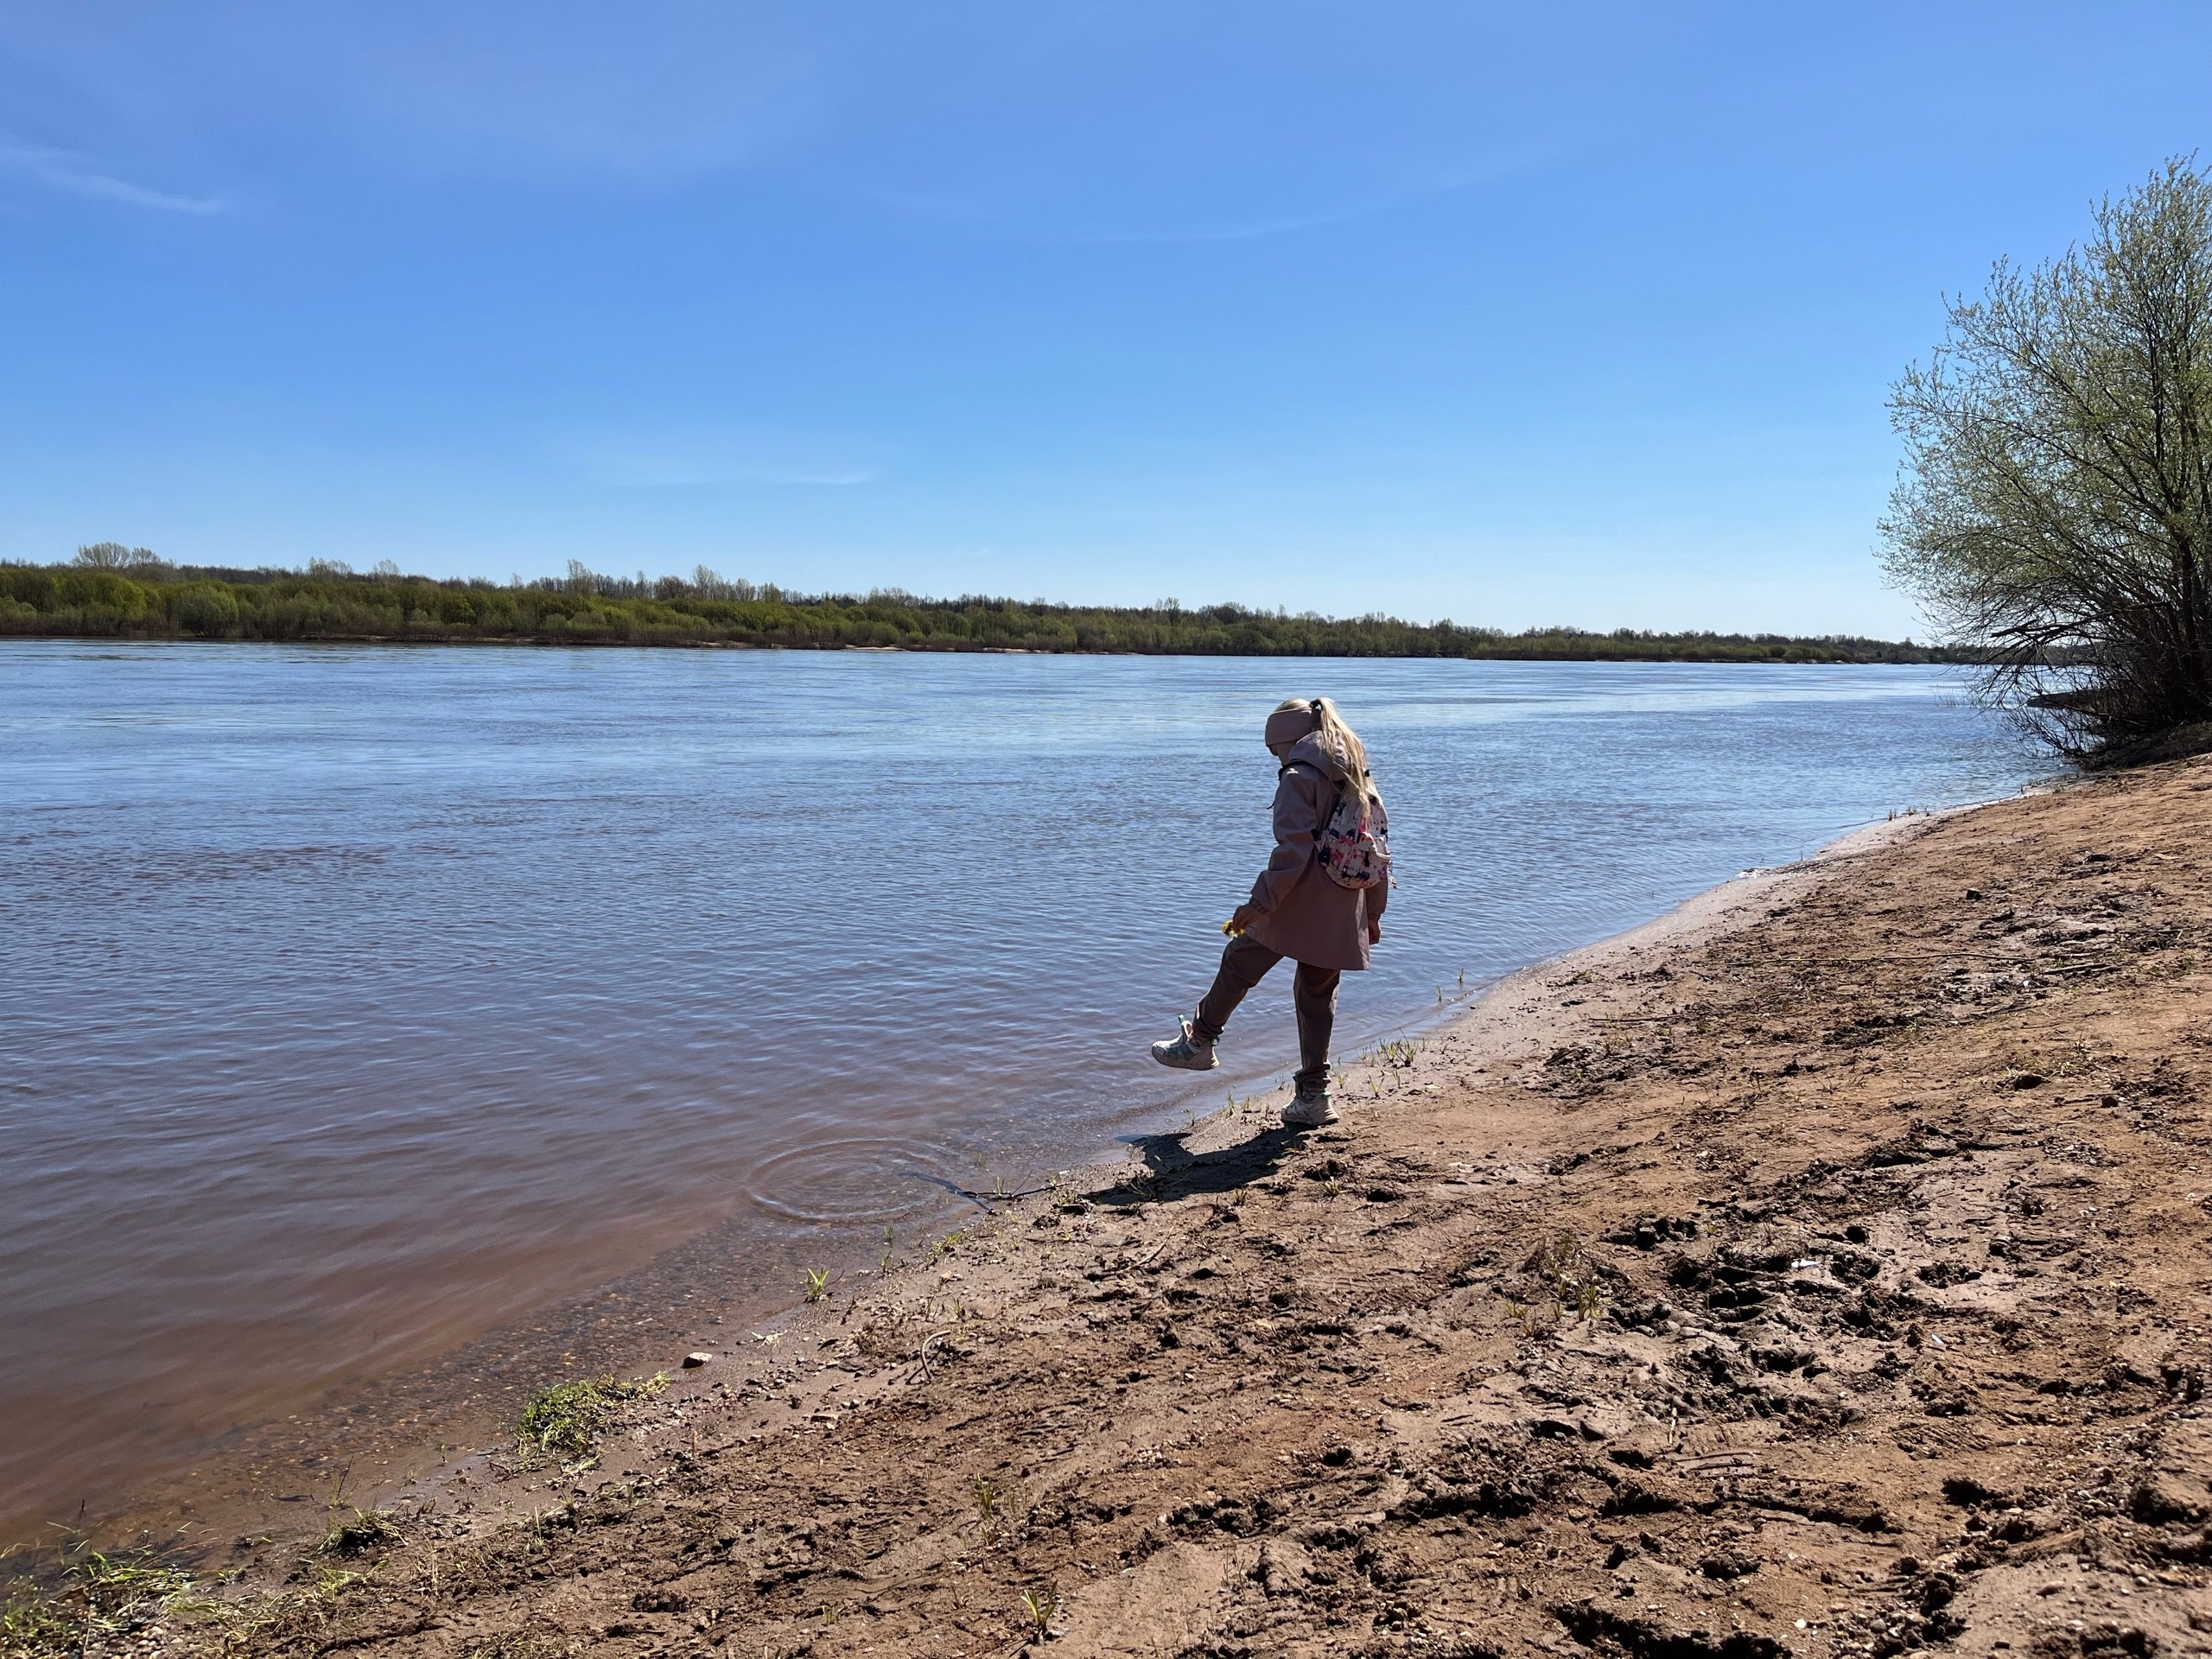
(840, 1179)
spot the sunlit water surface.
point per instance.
(354, 1001)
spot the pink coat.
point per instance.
(1305, 916)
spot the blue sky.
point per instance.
(1511, 314)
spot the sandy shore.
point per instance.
(1821, 1270)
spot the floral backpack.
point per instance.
(1355, 842)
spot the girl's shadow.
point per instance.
(1170, 1169)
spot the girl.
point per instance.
(1297, 909)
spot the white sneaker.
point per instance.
(1185, 1052)
(1311, 1109)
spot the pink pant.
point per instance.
(1244, 963)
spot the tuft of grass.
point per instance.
(567, 1420)
(1571, 1277)
(516, 1644)
(363, 1530)
(1043, 1607)
(986, 1495)
(33, 1621)
(817, 1284)
(97, 1601)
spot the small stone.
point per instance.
(692, 1362)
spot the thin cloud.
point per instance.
(1234, 232)
(1250, 230)
(64, 170)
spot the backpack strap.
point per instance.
(1289, 766)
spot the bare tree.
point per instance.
(114, 556)
(2055, 503)
(707, 584)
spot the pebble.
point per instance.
(692, 1362)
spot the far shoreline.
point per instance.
(118, 593)
(494, 643)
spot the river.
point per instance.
(354, 1001)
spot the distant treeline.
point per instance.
(118, 593)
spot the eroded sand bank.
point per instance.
(1821, 1270)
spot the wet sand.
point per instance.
(1821, 1270)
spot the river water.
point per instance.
(354, 1001)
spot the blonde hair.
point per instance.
(1339, 742)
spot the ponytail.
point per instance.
(1346, 753)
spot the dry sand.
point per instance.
(1819, 1271)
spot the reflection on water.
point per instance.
(355, 1001)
